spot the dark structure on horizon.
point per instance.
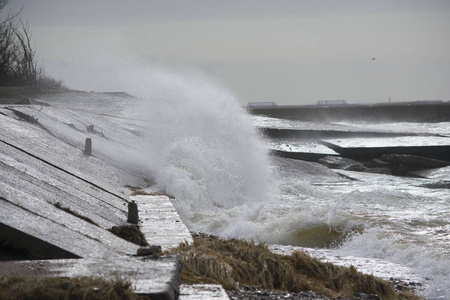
(340, 110)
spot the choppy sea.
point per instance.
(204, 150)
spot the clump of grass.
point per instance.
(134, 188)
(238, 262)
(68, 210)
(130, 233)
(138, 191)
(55, 288)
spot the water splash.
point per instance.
(204, 151)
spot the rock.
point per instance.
(336, 162)
(67, 285)
(311, 294)
(414, 161)
(384, 170)
(150, 250)
(437, 185)
(376, 162)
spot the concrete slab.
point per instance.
(47, 193)
(431, 146)
(74, 126)
(405, 141)
(157, 277)
(318, 134)
(202, 292)
(56, 228)
(36, 141)
(160, 222)
(309, 151)
(43, 169)
(442, 174)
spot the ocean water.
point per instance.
(203, 149)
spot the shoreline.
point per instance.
(407, 290)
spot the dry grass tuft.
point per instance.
(130, 233)
(55, 288)
(238, 262)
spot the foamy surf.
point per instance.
(202, 149)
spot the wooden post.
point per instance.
(133, 216)
(88, 147)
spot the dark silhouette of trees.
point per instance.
(18, 60)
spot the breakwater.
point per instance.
(418, 111)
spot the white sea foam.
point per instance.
(429, 264)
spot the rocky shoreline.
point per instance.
(253, 293)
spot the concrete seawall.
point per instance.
(60, 204)
(419, 111)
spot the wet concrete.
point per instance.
(157, 277)
(160, 222)
(45, 203)
(430, 147)
(61, 146)
(57, 204)
(318, 134)
(306, 156)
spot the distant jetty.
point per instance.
(415, 111)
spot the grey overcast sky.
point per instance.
(290, 52)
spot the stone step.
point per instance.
(160, 221)
(202, 292)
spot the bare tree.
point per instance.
(8, 47)
(3, 3)
(8, 54)
(18, 60)
(27, 67)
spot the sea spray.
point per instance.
(204, 151)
